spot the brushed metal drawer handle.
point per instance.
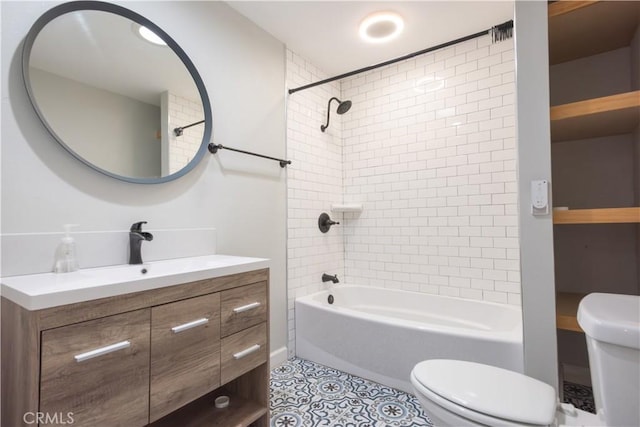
(246, 352)
(102, 351)
(184, 327)
(246, 307)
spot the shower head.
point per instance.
(343, 107)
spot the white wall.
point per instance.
(244, 198)
(430, 151)
(314, 183)
(121, 138)
(534, 163)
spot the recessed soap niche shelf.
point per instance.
(346, 207)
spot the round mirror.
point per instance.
(117, 92)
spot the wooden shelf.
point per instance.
(567, 311)
(609, 115)
(559, 8)
(584, 28)
(202, 413)
(597, 216)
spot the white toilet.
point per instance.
(460, 393)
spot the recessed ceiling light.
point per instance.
(150, 36)
(381, 27)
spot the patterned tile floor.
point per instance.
(580, 396)
(306, 394)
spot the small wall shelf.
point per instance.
(597, 216)
(567, 311)
(346, 207)
(609, 115)
(611, 25)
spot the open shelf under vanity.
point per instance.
(241, 412)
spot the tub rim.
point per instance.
(513, 335)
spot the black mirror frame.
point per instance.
(126, 13)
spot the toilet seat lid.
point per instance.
(489, 390)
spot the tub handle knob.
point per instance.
(325, 222)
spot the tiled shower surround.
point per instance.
(314, 182)
(429, 149)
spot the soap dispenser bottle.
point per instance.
(65, 260)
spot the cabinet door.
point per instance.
(185, 352)
(97, 372)
(243, 351)
(243, 307)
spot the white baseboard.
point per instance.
(278, 357)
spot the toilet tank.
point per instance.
(611, 323)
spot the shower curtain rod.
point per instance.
(499, 32)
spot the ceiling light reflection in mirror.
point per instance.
(149, 35)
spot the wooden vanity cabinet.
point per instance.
(155, 356)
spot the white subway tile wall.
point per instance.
(429, 149)
(184, 111)
(314, 182)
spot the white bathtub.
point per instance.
(380, 334)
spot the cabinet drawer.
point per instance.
(185, 352)
(243, 351)
(243, 307)
(98, 371)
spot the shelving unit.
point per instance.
(597, 216)
(567, 311)
(594, 131)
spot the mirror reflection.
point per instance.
(113, 97)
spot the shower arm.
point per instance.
(324, 127)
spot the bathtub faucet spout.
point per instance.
(327, 277)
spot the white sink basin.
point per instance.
(39, 291)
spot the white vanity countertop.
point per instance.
(46, 290)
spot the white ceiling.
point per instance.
(326, 32)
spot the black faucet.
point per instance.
(329, 278)
(136, 237)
